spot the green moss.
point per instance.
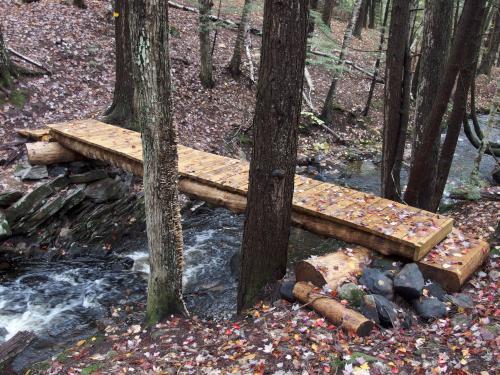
(18, 98)
(91, 369)
(39, 367)
(174, 31)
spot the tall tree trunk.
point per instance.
(6, 67)
(373, 12)
(394, 97)
(329, 105)
(377, 62)
(468, 27)
(326, 14)
(493, 41)
(120, 111)
(436, 35)
(234, 65)
(360, 20)
(205, 8)
(272, 168)
(153, 114)
(313, 7)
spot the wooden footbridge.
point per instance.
(323, 208)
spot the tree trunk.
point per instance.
(373, 12)
(272, 168)
(121, 110)
(394, 135)
(469, 24)
(6, 68)
(377, 62)
(326, 15)
(205, 8)
(491, 51)
(313, 7)
(234, 65)
(329, 106)
(360, 20)
(153, 114)
(80, 4)
(436, 35)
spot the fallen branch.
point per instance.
(15, 345)
(27, 59)
(483, 194)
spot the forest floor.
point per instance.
(78, 47)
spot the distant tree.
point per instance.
(272, 168)
(7, 70)
(395, 117)
(234, 65)
(360, 21)
(373, 6)
(206, 77)
(121, 110)
(492, 42)
(458, 72)
(436, 35)
(80, 4)
(326, 14)
(329, 105)
(153, 114)
(313, 6)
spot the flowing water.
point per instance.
(61, 301)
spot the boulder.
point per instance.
(28, 203)
(9, 197)
(377, 282)
(461, 300)
(352, 293)
(286, 290)
(105, 190)
(33, 172)
(29, 223)
(429, 308)
(90, 176)
(57, 170)
(379, 309)
(409, 282)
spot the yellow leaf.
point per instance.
(364, 366)
(314, 347)
(81, 342)
(116, 14)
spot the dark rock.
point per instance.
(377, 283)
(234, 264)
(386, 265)
(28, 203)
(435, 290)
(3, 333)
(33, 172)
(286, 290)
(379, 309)
(429, 308)
(409, 282)
(351, 292)
(77, 167)
(75, 251)
(105, 190)
(90, 176)
(407, 321)
(58, 170)
(59, 183)
(9, 197)
(461, 300)
(48, 209)
(496, 175)
(73, 198)
(122, 264)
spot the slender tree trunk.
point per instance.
(153, 114)
(313, 7)
(329, 106)
(373, 12)
(436, 35)
(234, 65)
(360, 20)
(272, 168)
(394, 124)
(120, 111)
(326, 15)
(377, 62)
(6, 67)
(205, 8)
(493, 41)
(468, 26)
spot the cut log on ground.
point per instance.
(46, 153)
(14, 346)
(333, 269)
(338, 314)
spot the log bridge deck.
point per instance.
(324, 208)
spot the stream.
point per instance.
(62, 301)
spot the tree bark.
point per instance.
(326, 14)
(329, 106)
(120, 112)
(6, 68)
(394, 135)
(272, 168)
(234, 65)
(436, 35)
(493, 41)
(373, 12)
(468, 28)
(153, 114)
(360, 20)
(206, 77)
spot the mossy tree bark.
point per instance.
(492, 43)
(272, 168)
(7, 70)
(153, 114)
(235, 64)
(121, 110)
(206, 70)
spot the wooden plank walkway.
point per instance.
(366, 219)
